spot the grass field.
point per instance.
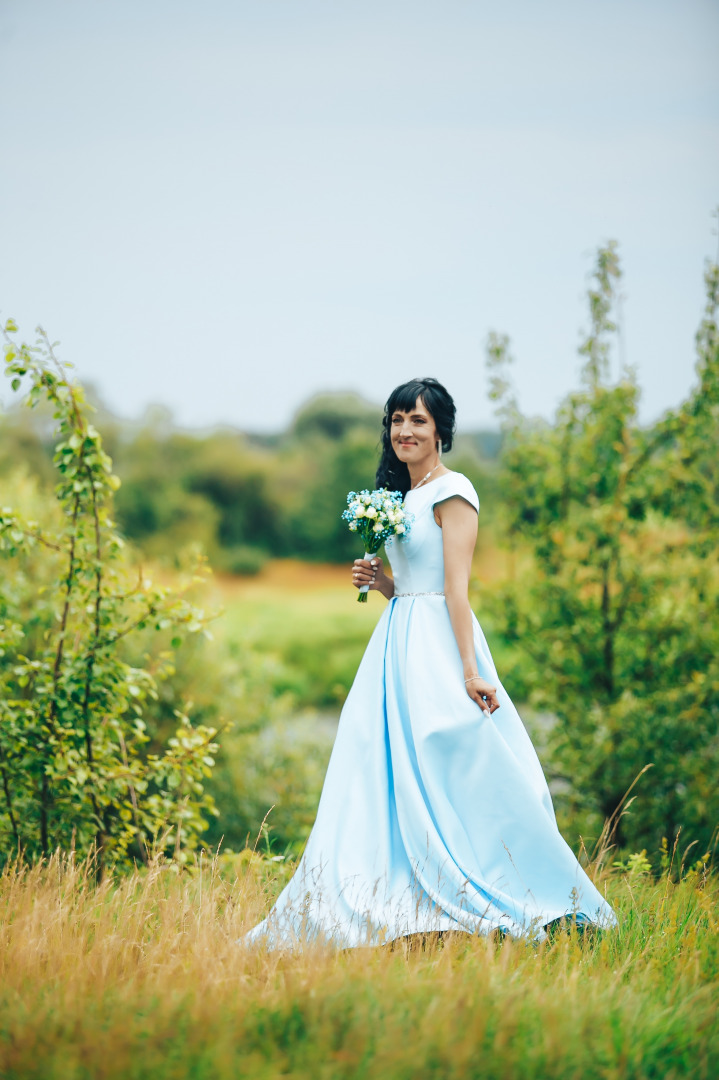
(142, 979)
(307, 616)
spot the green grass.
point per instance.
(143, 979)
(309, 619)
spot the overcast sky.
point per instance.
(227, 206)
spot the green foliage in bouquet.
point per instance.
(613, 605)
(76, 770)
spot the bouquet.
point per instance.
(376, 516)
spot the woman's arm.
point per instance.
(458, 521)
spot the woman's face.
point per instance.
(414, 434)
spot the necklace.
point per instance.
(425, 478)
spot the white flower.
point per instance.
(399, 529)
(360, 511)
(377, 528)
(370, 512)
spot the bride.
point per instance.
(435, 814)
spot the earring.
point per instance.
(439, 448)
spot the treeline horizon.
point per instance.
(243, 496)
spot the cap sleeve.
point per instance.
(456, 485)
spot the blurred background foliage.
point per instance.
(243, 498)
(596, 580)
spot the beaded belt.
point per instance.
(398, 594)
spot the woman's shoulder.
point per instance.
(455, 483)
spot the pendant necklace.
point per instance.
(425, 478)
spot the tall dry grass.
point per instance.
(141, 977)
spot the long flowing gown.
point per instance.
(433, 816)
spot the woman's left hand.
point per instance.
(484, 694)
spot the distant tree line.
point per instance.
(242, 497)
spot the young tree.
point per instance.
(615, 610)
(74, 763)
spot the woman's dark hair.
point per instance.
(392, 473)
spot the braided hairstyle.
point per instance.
(392, 473)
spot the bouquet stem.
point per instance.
(378, 516)
(364, 589)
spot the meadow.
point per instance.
(142, 977)
(304, 615)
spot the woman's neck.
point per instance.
(420, 471)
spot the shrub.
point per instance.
(614, 603)
(76, 769)
(242, 559)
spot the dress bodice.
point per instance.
(417, 560)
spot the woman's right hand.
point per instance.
(371, 572)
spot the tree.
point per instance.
(333, 415)
(616, 528)
(75, 769)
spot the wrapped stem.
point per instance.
(364, 589)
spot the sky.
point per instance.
(226, 207)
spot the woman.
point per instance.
(435, 814)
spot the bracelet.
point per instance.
(472, 678)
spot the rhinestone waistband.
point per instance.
(398, 594)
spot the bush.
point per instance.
(614, 603)
(243, 560)
(76, 764)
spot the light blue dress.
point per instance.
(433, 816)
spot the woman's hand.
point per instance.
(371, 572)
(483, 693)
